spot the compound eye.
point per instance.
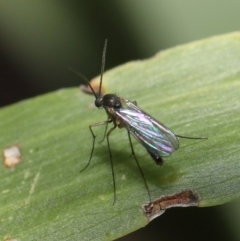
(98, 102)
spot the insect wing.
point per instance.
(152, 134)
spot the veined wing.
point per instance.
(153, 135)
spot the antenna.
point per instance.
(85, 80)
(101, 74)
(103, 66)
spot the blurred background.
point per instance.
(39, 40)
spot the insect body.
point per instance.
(155, 137)
(158, 140)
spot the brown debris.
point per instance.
(182, 199)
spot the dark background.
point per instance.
(39, 40)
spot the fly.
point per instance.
(155, 137)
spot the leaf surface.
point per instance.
(193, 89)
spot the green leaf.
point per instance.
(193, 89)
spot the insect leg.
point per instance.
(94, 137)
(139, 167)
(189, 137)
(111, 161)
(105, 131)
